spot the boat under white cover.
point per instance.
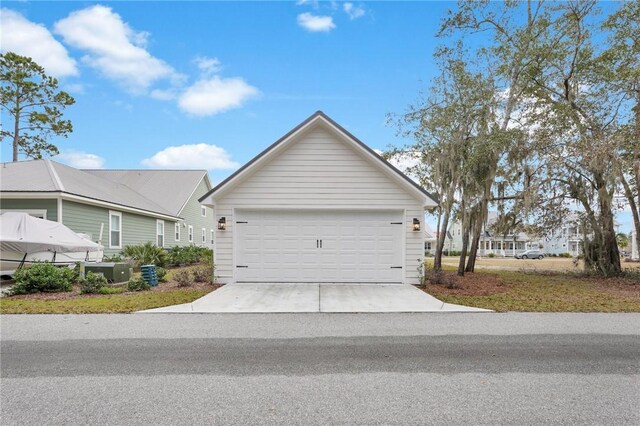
(25, 239)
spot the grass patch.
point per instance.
(117, 303)
(505, 291)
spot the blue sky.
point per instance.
(211, 84)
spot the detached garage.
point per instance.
(318, 206)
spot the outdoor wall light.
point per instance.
(222, 223)
(416, 224)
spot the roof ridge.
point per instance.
(311, 119)
(145, 170)
(54, 174)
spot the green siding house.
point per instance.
(115, 207)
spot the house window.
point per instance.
(213, 233)
(160, 233)
(177, 231)
(190, 233)
(204, 235)
(203, 211)
(115, 230)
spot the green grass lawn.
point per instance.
(505, 291)
(117, 303)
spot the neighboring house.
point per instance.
(491, 243)
(568, 238)
(115, 207)
(430, 240)
(318, 206)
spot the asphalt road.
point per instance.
(321, 369)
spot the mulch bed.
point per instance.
(486, 283)
(470, 285)
(75, 294)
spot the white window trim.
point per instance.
(204, 235)
(176, 232)
(203, 211)
(30, 212)
(119, 214)
(160, 221)
(190, 233)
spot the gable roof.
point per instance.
(170, 189)
(319, 116)
(39, 176)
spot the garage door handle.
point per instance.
(396, 267)
(317, 243)
(241, 266)
(320, 243)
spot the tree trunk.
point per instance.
(16, 132)
(463, 253)
(633, 205)
(636, 169)
(609, 258)
(441, 238)
(473, 253)
(465, 235)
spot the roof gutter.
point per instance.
(85, 200)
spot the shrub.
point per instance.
(189, 255)
(162, 274)
(202, 275)
(492, 255)
(146, 254)
(438, 277)
(567, 255)
(42, 277)
(111, 290)
(138, 284)
(114, 258)
(183, 278)
(92, 283)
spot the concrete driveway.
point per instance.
(294, 298)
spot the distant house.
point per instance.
(431, 238)
(568, 238)
(115, 207)
(492, 243)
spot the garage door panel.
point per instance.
(284, 246)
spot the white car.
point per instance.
(530, 254)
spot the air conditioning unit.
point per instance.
(114, 272)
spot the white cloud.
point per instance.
(27, 38)
(354, 12)
(210, 96)
(207, 65)
(196, 156)
(77, 88)
(313, 3)
(163, 94)
(81, 160)
(114, 48)
(315, 23)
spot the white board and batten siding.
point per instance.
(318, 186)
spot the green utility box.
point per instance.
(114, 272)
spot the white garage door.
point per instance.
(319, 246)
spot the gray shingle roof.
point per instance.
(149, 190)
(170, 189)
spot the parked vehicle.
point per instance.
(530, 254)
